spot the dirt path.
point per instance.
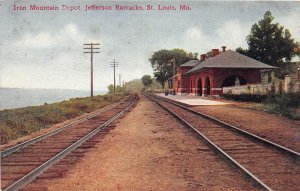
(149, 151)
(273, 127)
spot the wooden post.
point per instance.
(114, 65)
(91, 48)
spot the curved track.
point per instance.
(268, 165)
(20, 167)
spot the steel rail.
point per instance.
(218, 150)
(17, 147)
(241, 131)
(39, 170)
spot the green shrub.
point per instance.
(6, 133)
(284, 104)
(289, 99)
(245, 97)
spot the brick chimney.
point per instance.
(214, 52)
(223, 48)
(202, 57)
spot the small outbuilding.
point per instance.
(207, 77)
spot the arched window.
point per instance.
(234, 80)
(207, 86)
(199, 87)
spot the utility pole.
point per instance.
(91, 47)
(114, 65)
(124, 90)
(174, 64)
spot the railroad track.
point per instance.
(17, 147)
(23, 163)
(268, 165)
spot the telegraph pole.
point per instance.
(174, 66)
(123, 85)
(91, 47)
(114, 65)
(172, 62)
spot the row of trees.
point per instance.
(145, 83)
(132, 85)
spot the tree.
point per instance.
(133, 85)
(270, 43)
(161, 63)
(110, 88)
(118, 89)
(208, 54)
(242, 51)
(147, 81)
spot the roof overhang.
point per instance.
(247, 68)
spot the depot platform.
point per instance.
(193, 100)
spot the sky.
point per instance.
(44, 49)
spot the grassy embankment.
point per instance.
(283, 104)
(15, 123)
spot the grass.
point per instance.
(282, 104)
(15, 123)
(292, 113)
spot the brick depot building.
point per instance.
(207, 77)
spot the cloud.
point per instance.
(193, 34)
(193, 39)
(71, 30)
(41, 40)
(289, 22)
(231, 33)
(48, 39)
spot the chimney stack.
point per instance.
(202, 57)
(223, 48)
(214, 52)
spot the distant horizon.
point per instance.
(51, 89)
(23, 97)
